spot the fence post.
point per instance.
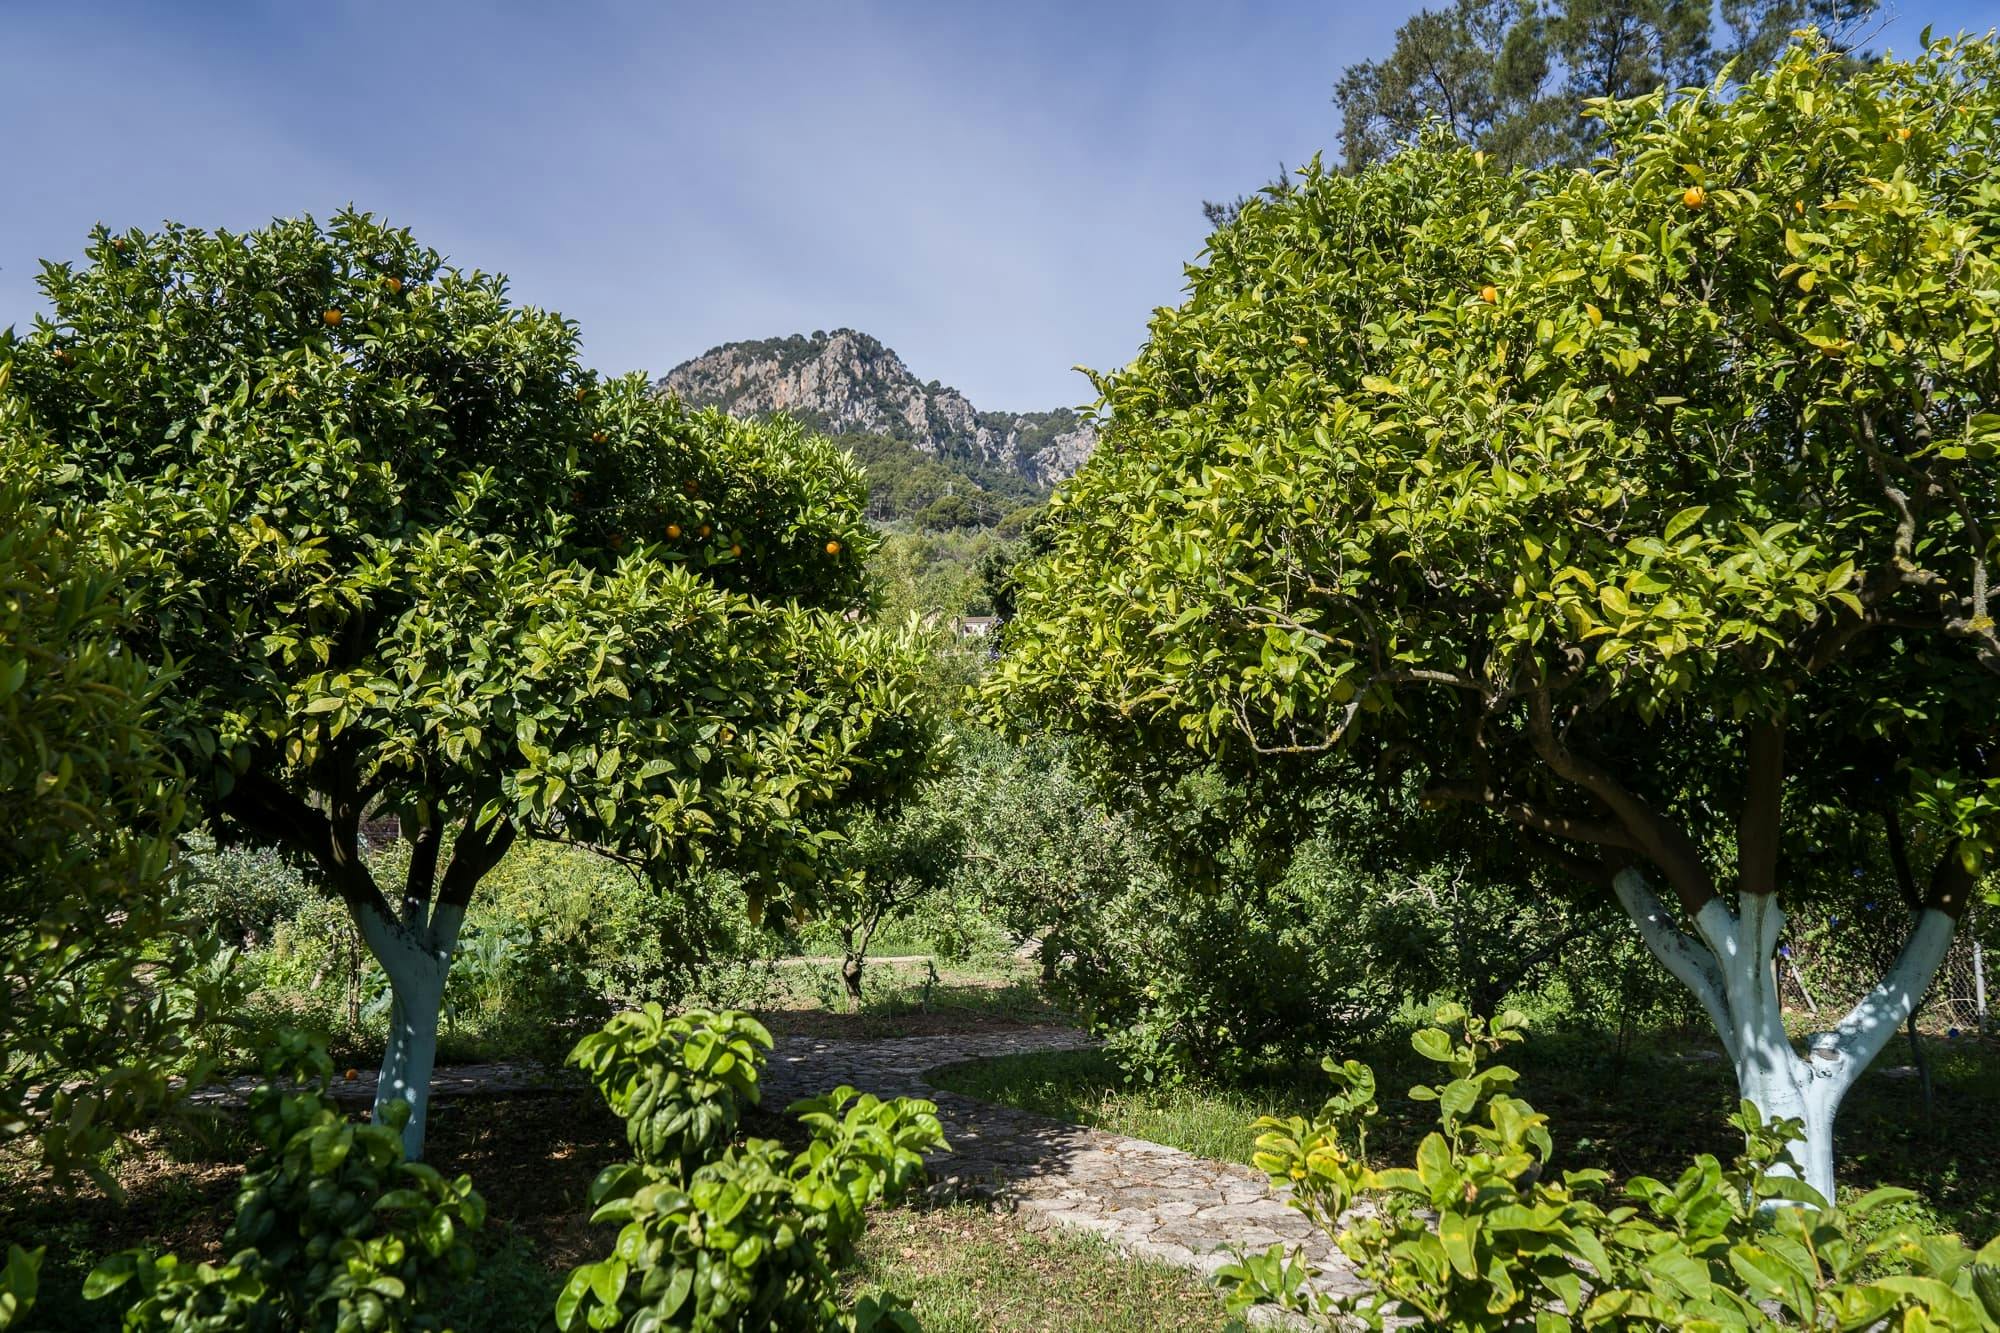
(1979, 985)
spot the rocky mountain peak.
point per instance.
(846, 382)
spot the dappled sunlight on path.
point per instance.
(1154, 1201)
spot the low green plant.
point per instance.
(716, 1234)
(18, 1283)
(1477, 1235)
(680, 1082)
(334, 1231)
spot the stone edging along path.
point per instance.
(1148, 1199)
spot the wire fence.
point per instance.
(1823, 983)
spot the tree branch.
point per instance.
(476, 851)
(277, 816)
(1684, 956)
(1661, 840)
(1757, 830)
(422, 878)
(1531, 816)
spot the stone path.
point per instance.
(1151, 1200)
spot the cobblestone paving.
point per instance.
(1151, 1200)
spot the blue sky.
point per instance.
(998, 191)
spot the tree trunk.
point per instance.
(850, 975)
(1731, 971)
(417, 960)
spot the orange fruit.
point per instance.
(353, 1074)
(691, 488)
(1903, 133)
(703, 530)
(598, 437)
(581, 393)
(673, 532)
(332, 318)
(1799, 206)
(833, 548)
(395, 285)
(736, 550)
(1694, 196)
(1489, 294)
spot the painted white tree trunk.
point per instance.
(1731, 970)
(417, 959)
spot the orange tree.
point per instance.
(104, 982)
(1650, 511)
(408, 557)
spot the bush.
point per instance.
(722, 1235)
(334, 1231)
(1478, 1236)
(243, 893)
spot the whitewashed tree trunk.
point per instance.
(417, 959)
(1731, 970)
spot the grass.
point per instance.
(966, 1269)
(1646, 1111)
(903, 999)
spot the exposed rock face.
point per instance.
(846, 382)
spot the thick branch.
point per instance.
(1951, 885)
(476, 851)
(1757, 830)
(1860, 1037)
(1531, 816)
(422, 879)
(1668, 846)
(278, 816)
(1681, 954)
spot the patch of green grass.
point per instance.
(1087, 1088)
(965, 1269)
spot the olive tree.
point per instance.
(1651, 510)
(409, 557)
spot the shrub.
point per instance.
(723, 1235)
(1477, 1235)
(334, 1231)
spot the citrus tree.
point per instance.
(1649, 510)
(103, 983)
(409, 557)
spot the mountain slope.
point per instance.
(847, 383)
